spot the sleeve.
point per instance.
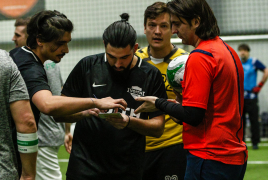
(18, 90)
(35, 79)
(158, 90)
(74, 85)
(198, 77)
(258, 64)
(189, 115)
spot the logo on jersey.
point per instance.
(98, 85)
(173, 177)
(135, 91)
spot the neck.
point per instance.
(161, 53)
(197, 42)
(134, 61)
(37, 52)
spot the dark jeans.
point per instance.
(201, 169)
(251, 107)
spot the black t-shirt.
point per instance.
(33, 73)
(100, 151)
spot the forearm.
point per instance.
(190, 115)
(265, 75)
(65, 106)
(67, 128)
(28, 162)
(70, 118)
(150, 127)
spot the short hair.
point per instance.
(243, 47)
(47, 26)
(190, 9)
(22, 21)
(154, 10)
(120, 34)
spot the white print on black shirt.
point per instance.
(128, 111)
(135, 91)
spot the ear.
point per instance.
(136, 47)
(195, 22)
(39, 43)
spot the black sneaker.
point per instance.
(255, 146)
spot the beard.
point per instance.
(119, 76)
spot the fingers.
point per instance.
(172, 100)
(142, 99)
(121, 104)
(139, 109)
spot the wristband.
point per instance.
(93, 102)
(27, 143)
(260, 84)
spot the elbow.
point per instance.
(28, 124)
(47, 109)
(157, 133)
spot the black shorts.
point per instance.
(165, 164)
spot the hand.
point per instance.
(257, 89)
(173, 100)
(147, 106)
(110, 103)
(119, 123)
(91, 112)
(68, 140)
(178, 96)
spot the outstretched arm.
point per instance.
(190, 115)
(61, 106)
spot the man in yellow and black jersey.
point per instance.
(165, 157)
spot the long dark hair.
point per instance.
(190, 9)
(120, 34)
(47, 26)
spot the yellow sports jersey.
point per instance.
(173, 131)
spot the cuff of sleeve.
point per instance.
(159, 102)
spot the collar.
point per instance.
(167, 58)
(26, 49)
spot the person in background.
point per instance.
(212, 100)
(251, 90)
(15, 107)
(165, 157)
(20, 33)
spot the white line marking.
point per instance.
(257, 162)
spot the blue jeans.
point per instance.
(201, 169)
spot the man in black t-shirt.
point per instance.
(49, 33)
(114, 148)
